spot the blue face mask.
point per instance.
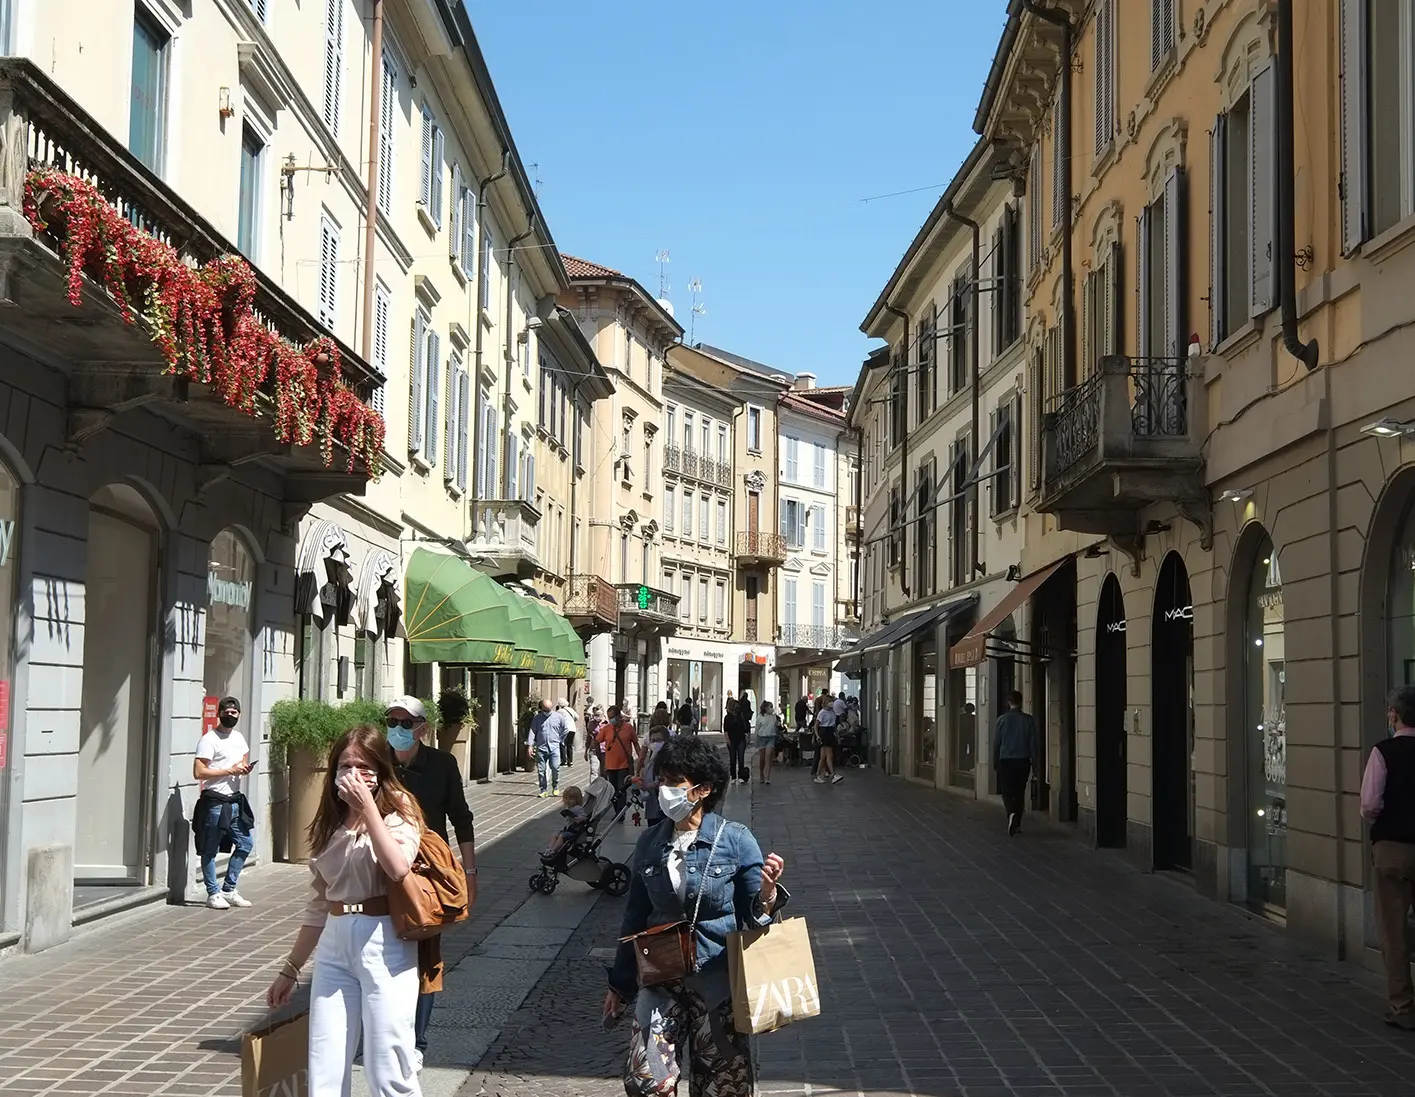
(401, 739)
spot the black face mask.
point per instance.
(229, 719)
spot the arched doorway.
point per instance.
(117, 727)
(1110, 716)
(1265, 722)
(1172, 686)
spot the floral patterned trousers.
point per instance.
(719, 1057)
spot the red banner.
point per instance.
(210, 719)
(4, 705)
(4, 745)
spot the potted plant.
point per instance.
(456, 725)
(301, 733)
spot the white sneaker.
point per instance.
(236, 899)
(836, 779)
(417, 1061)
(819, 780)
(217, 901)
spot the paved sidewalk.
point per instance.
(154, 1002)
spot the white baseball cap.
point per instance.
(411, 705)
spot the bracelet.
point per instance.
(290, 970)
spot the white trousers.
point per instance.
(363, 977)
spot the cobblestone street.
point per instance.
(954, 963)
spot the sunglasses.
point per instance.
(408, 723)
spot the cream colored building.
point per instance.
(618, 531)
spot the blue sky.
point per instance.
(741, 137)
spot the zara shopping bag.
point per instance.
(275, 1060)
(773, 977)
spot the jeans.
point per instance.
(1012, 776)
(736, 758)
(422, 1020)
(241, 845)
(364, 978)
(619, 778)
(548, 756)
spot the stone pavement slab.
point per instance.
(154, 1002)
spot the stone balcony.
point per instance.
(224, 379)
(506, 538)
(592, 604)
(1127, 437)
(759, 548)
(646, 609)
(823, 638)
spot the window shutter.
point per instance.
(387, 111)
(1115, 303)
(333, 62)
(1218, 228)
(1142, 286)
(425, 195)
(464, 399)
(1105, 102)
(528, 481)
(1034, 395)
(1175, 266)
(454, 211)
(785, 530)
(1034, 211)
(1353, 124)
(1058, 152)
(493, 453)
(999, 290)
(328, 272)
(1014, 458)
(469, 232)
(438, 164)
(1088, 323)
(513, 466)
(415, 389)
(380, 343)
(432, 393)
(1260, 192)
(449, 449)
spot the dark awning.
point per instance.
(972, 649)
(874, 650)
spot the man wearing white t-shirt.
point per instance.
(222, 819)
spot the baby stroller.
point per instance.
(579, 858)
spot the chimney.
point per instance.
(804, 381)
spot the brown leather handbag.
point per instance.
(433, 895)
(669, 953)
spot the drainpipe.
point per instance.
(1307, 352)
(974, 354)
(479, 330)
(1068, 277)
(859, 517)
(375, 113)
(904, 457)
(511, 278)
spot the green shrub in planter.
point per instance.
(297, 724)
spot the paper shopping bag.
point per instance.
(773, 977)
(275, 1060)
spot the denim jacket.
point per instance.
(730, 886)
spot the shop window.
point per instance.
(230, 619)
(9, 571)
(1266, 721)
(311, 663)
(367, 657)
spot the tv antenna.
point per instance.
(661, 258)
(695, 286)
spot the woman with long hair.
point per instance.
(768, 728)
(365, 834)
(697, 862)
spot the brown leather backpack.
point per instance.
(432, 896)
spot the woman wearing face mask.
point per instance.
(366, 833)
(693, 866)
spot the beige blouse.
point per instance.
(346, 870)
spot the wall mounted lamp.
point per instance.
(1236, 495)
(1389, 428)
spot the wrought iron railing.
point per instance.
(591, 596)
(672, 458)
(760, 545)
(1160, 401)
(815, 637)
(636, 599)
(1074, 423)
(697, 465)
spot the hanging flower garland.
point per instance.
(202, 319)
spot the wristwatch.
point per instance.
(470, 871)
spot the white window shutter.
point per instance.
(415, 389)
(1088, 323)
(388, 112)
(333, 62)
(493, 454)
(1260, 192)
(449, 449)
(529, 480)
(464, 399)
(1142, 285)
(425, 195)
(328, 272)
(1353, 124)
(1175, 266)
(1111, 309)
(513, 466)
(1218, 230)
(454, 215)
(438, 167)
(432, 393)
(469, 232)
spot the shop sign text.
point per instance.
(7, 539)
(227, 592)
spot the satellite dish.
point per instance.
(665, 304)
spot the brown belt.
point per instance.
(377, 907)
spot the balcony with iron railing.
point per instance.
(1127, 437)
(592, 603)
(812, 637)
(647, 608)
(507, 533)
(696, 466)
(143, 304)
(757, 548)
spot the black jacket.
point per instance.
(734, 726)
(433, 778)
(222, 838)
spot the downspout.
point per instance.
(479, 331)
(904, 457)
(1307, 352)
(375, 114)
(1068, 276)
(859, 517)
(975, 354)
(511, 278)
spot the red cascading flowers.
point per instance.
(203, 320)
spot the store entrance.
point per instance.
(1172, 682)
(1110, 717)
(925, 711)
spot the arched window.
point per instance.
(1400, 611)
(230, 618)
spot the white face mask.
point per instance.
(675, 803)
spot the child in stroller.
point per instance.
(575, 852)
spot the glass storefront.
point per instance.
(925, 717)
(230, 596)
(1400, 605)
(9, 572)
(1264, 695)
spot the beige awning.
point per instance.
(972, 649)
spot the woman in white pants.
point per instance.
(366, 833)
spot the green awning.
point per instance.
(563, 655)
(533, 633)
(455, 614)
(574, 649)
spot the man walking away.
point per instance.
(433, 778)
(543, 742)
(222, 818)
(1014, 751)
(570, 725)
(1388, 802)
(621, 749)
